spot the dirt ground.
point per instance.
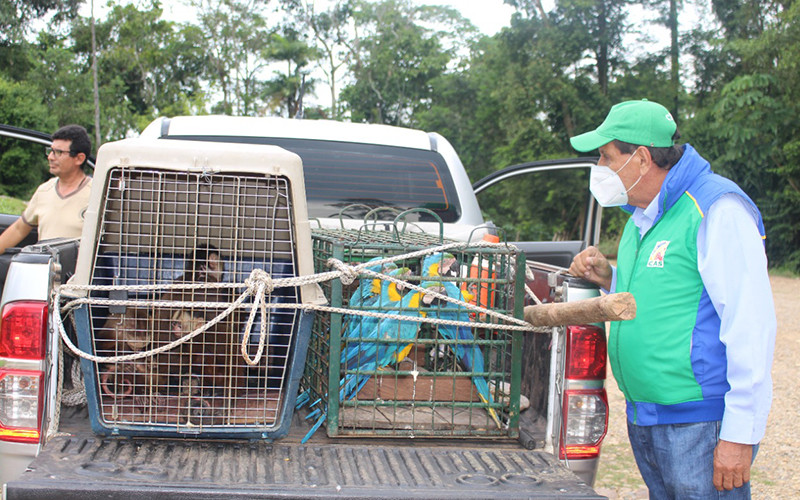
(773, 476)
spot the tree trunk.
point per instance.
(674, 53)
(95, 90)
(602, 52)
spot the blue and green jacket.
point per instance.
(669, 361)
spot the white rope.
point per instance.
(260, 284)
(77, 395)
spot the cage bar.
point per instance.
(431, 392)
(205, 230)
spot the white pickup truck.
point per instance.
(351, 176)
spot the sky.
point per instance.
(488, 15)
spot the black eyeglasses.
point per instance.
(56, 152)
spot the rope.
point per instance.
(260, 284)
(77, 395)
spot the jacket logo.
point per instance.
(657, 255)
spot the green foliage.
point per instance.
(287, 90)
(22, 165)
(11, 206)
(394, 63)
(748, 128)
(236, 38)
(512, 98)
(17, 15)
(539, 207)
(147, 67)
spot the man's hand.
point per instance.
(592, 265)
(731, 464)
(14, 234)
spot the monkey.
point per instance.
(205, 265)
(120, 334)
(123, 332)
(131, 378)
(210, 362)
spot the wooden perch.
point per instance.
(613, 307)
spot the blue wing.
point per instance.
(467, 352)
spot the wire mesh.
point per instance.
(161, 227)
(401, 377)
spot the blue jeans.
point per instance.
(676, 461)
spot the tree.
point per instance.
(329, 29)
(235, 34)
(748, 125)
(147, 66)
(395, 58)
(287, 89)
(24, 164)
(16, 16)
(669, 18)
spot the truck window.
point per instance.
(547, 205)
(340, 174)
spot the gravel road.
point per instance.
(773, 476)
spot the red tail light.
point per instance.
(585, 411)
(586, 353)
(23, 331)
(23, 335)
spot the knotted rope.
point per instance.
(260, 286)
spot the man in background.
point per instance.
(58, 205)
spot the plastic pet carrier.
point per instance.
(402, 375)
(173, 231)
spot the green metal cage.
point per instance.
(406, 377)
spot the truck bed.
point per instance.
(86, 466)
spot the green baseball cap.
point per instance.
(643, 123)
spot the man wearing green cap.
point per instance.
(694, 365)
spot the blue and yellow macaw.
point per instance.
(397, 338)
(468, 352)
(368, 289)
(362, 353)
(439, 264)
(385, 294)
(443, 264)
(389, 296)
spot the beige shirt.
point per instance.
(57, 216)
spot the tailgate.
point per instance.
(85, 466)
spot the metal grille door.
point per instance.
(205, 231)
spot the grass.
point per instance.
(13, 206)
(617, 470)
(783, 272)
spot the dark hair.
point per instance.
(78, 136)
(665, 158)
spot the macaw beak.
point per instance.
(429, 299)
(449, 268)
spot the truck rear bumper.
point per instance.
(90, 467)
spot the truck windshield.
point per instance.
(365, 176)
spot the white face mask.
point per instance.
(607, 187)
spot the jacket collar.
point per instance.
(678, 179)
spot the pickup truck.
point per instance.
(352, 176)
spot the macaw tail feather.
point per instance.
(492, 412)
(486, 398)
(313, 414)
(314, 428)
(351, 385)
(302, 399)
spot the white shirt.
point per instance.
(733, 266)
